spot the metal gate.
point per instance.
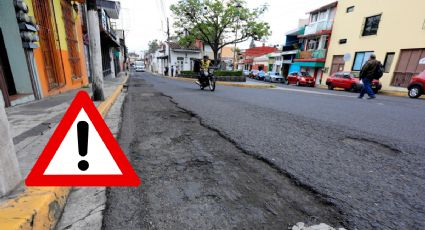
(47, 41)
(408, 66)
(71, 39)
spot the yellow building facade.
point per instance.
(393, 30)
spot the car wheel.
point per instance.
(414, 92)
(353, 88)
(375, 91)
(287, 82)
(330, 86)
(298, 83)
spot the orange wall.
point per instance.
(65, 77)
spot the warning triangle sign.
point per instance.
(82, 152)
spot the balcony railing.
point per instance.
(313, 54)
(315, 27)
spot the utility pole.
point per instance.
(95, 51)
(238, 6)
(169, 50)
(10, 174)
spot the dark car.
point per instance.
(416, 86)
(301, 78)
(350, 82)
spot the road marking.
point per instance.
(313, 92)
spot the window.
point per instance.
(371, 25)
(388, 62)
(350, 9)
(314, 18)
(360, 59)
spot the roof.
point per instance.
(325, 7)
(177, 46)
(259, 51)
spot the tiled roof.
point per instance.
(259, 51)
(177, 46)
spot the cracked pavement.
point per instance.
(195, 178)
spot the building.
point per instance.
(18, 81)
(315, 42)
(60, 60)
(275, 62)
(394, 31)
(110, 43)
(227, 57)
(247, 62)
(292, 47)
(174, 55)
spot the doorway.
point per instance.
(7, 85)
(337, 64)
(46, 35)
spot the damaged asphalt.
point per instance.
(227, 160)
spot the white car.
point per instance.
(273, 77)
(139, 66)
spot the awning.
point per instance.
(309, 64)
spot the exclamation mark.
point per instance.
(83, 136)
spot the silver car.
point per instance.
(273, 77)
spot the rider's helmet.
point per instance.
(206, 57)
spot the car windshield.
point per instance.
(304, 74)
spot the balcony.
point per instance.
(317, 27)
(312, 55)
(112, 8)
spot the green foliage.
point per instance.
(187, 73)
(227, 73)
(153, 46)
(218, 22)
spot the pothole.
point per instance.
(371, 146)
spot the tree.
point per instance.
(153, 46)
(218, 22)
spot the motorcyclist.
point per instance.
(205, 64)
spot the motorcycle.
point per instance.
(207, 80)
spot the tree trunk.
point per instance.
(216, 60)
(95, 51)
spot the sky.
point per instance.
(145, 20)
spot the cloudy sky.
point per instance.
(145, 20)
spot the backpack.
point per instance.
(379, 71)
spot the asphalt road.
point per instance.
(359, 161)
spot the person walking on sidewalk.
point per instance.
(172, 71)
(370, 71)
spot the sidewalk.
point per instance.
(32, 125)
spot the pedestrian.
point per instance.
(372, 69)
(177, 70)
(166, 71)
(172, 71)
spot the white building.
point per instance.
(174, 56)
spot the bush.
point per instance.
(187, 72)
(227, 73)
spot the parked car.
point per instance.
(301, 78)
(416, 86)
(139, 66)
(260, 76)
(253, 73)
(349, 81)
(246, 72)
(273, 77)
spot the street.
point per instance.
(241, 158)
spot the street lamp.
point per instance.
(238, 6)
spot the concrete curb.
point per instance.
(241, 85)
(41, 207)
